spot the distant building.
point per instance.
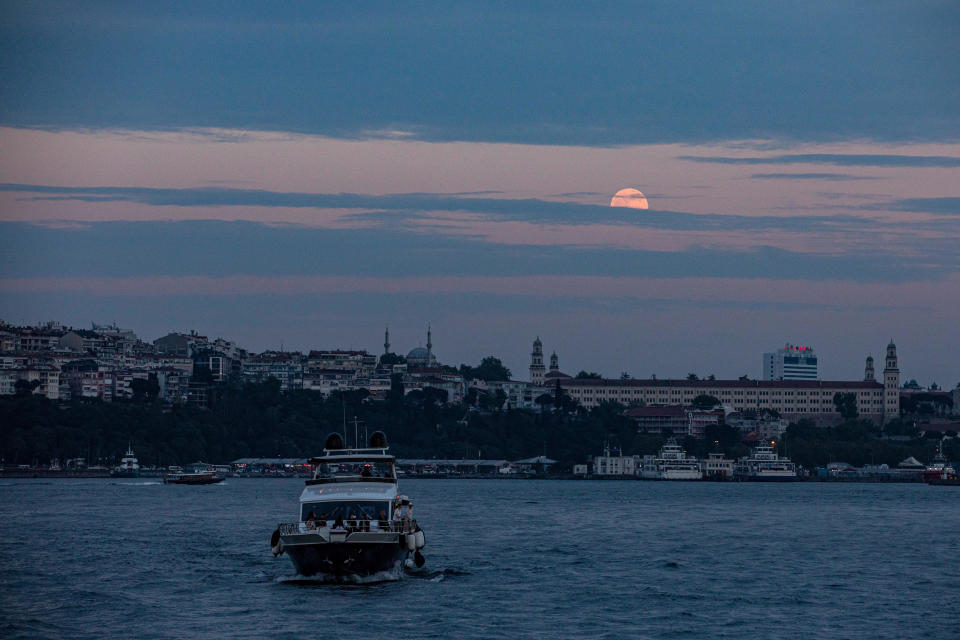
(537, 369)
(792, 362)
(285, 366)
(423, 358)
(614, 465)
(792, 399)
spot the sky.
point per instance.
(301, 175)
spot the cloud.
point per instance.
(221, 249)
(557, 73)
(943, 206)
(829, 177)
(838, 159)
(407, 208)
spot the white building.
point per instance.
(614, 465)
(792, 362)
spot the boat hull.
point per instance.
(124, 474)
(769, 478)
(948, 482)
(342, 559)
(193, 480)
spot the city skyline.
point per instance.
(521, 369)
(289, 175)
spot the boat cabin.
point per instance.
(353, 465)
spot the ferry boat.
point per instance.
(196, 477)
(939, 472)
(764, 465)
(129, 466)
(672, 463)
(351, 519)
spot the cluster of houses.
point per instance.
(107, 362)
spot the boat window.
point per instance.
(330, 511)
(376, 469)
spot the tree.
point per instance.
(705, 402)
(397, 391)
(624, 375)
(846, 404)
(544, 400)
(145, 390)
(588, 375)
(25, 387)
(490, 369)
(390, 359)
(500, 398)
(558, 395)
(692, 376)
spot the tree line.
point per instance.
(260, 420)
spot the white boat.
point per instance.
(351, 519)
(764, 465)
(672, 463)
(129, 466)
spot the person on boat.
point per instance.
(311, 521)
(365, 522)
(403, 513)
(366, 473)
(338, 524)
(383, 524)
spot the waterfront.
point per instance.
(111, 558)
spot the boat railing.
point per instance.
(355, 478)
(351, 526)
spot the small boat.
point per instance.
(764, 465)
(200, 477)
(351, 519)
(129, 466)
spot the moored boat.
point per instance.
(129, 466)
(939, 472)
(764, 465)
(671, 463)
(352, 521)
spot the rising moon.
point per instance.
(629, 198)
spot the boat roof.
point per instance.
(349, 491)
(352, 455)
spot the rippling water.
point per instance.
(527, 559)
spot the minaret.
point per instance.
(891, 384)
(536, 363)
(386, 341)
(868, 370)
(429, 348)
(554, 362)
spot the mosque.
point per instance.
(418, 357)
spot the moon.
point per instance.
(631, 198)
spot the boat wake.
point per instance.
(136, 484)
(394, 575)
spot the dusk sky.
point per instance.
(305, 173)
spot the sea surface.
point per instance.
(505, 558)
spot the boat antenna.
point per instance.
(356, 432)
(343, 404)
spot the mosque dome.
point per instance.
(419, 353)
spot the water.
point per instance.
(526, 559)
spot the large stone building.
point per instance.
(793, 399)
